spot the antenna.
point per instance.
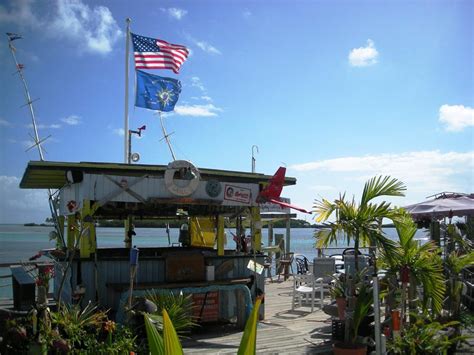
(166, 136)
(20, 67)
(253, 158)
(37, 141)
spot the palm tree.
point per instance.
(423, 263)
(361, 222)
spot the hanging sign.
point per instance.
(237, 194)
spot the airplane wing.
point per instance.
(284, 204)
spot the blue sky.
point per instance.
(338, 91)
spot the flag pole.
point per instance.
(126, 153)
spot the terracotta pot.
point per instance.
(341, 307)
(349, 349)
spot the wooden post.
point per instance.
(128, 224)
(256, 225)
(59, 240)
(220, 235)
(71, 231)
(270, 233)
(87, 233)
(288, 229)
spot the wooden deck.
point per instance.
(283, 331)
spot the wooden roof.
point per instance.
(52, 175)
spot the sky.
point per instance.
(336, 91)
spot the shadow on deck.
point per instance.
(283, 331)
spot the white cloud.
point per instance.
(5, 123)
(456, 117)
(246, 13)
(44, 126)
(196, 82)
(424, 173)
(72, 120)
(175, 12)
(206, 98)
(423, 170)
(208, 110)
(364, 56)
(118, 131)
(91, 28)
(20, 13)
(21, 205)
(208, 48)
(94, 27)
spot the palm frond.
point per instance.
(382, 186)
(323, 210)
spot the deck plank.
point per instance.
(283, 331)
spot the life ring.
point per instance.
(188, 180)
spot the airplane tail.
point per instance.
(272, 192)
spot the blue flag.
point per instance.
(156, 93)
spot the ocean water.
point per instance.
(19, 243)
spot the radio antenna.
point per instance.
(37, 141)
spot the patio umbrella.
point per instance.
(443, 205)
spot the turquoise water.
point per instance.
(19, 243)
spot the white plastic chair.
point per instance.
(304, 285)
(323, 271)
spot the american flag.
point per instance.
(151, 53)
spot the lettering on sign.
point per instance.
(269, 207)
(237, 194)
(206, 308)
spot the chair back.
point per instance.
(324, 267)
(349, 263)
(303, 280)
(302, 264)
(288, 257)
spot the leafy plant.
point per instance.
(248, 343)
(424, 337)
(178, 307)
(76, 331)
(454, 263)
(361, 309)
(168, 343)
(359, 222)
(422, 261)
(337, 287)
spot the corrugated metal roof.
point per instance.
(49, 174)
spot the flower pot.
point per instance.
(349, 349)
(341, 307)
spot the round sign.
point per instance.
(213, 188)
(181, 178)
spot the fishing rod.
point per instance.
(37, 141)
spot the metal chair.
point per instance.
(285, 263)
(302, 264)
(305, 285)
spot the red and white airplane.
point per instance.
(271, 193)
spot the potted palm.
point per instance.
(359, 223)
(417, 265)
(336, 290)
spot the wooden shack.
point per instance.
(86, 192)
